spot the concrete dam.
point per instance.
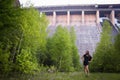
(84, 18)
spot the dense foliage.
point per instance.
(105, 57)
(61, 50)
(74, 50)
(23, 42)
(116, 57)
(22, 33)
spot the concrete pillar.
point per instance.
(113, 17)
(97, 17)
(83, 20)
(54, 18)
(68, 18)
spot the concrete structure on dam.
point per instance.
(84, 18)
(72, 15)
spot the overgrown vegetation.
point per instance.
(116, 56)
(24, 46)
(62, 51)
(63, 76)
(22, 34)
(105, 58)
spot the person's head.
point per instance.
(87, 52)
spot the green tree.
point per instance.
(33, 39)
(116, 56)
(5, 4)
(74, 50)
(102, 58)
(22, 34)
(9, 34)
(60, 50)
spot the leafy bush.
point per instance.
(4, 61)
(106, 57)
(62, 51)
(74, 50)
(26, 63)
(117, 53)
(102, 58)
(22, 34)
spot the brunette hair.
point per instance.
(87, 53)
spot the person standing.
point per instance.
(86, 58)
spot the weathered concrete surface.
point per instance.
(87, 37)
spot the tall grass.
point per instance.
(62, 76)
